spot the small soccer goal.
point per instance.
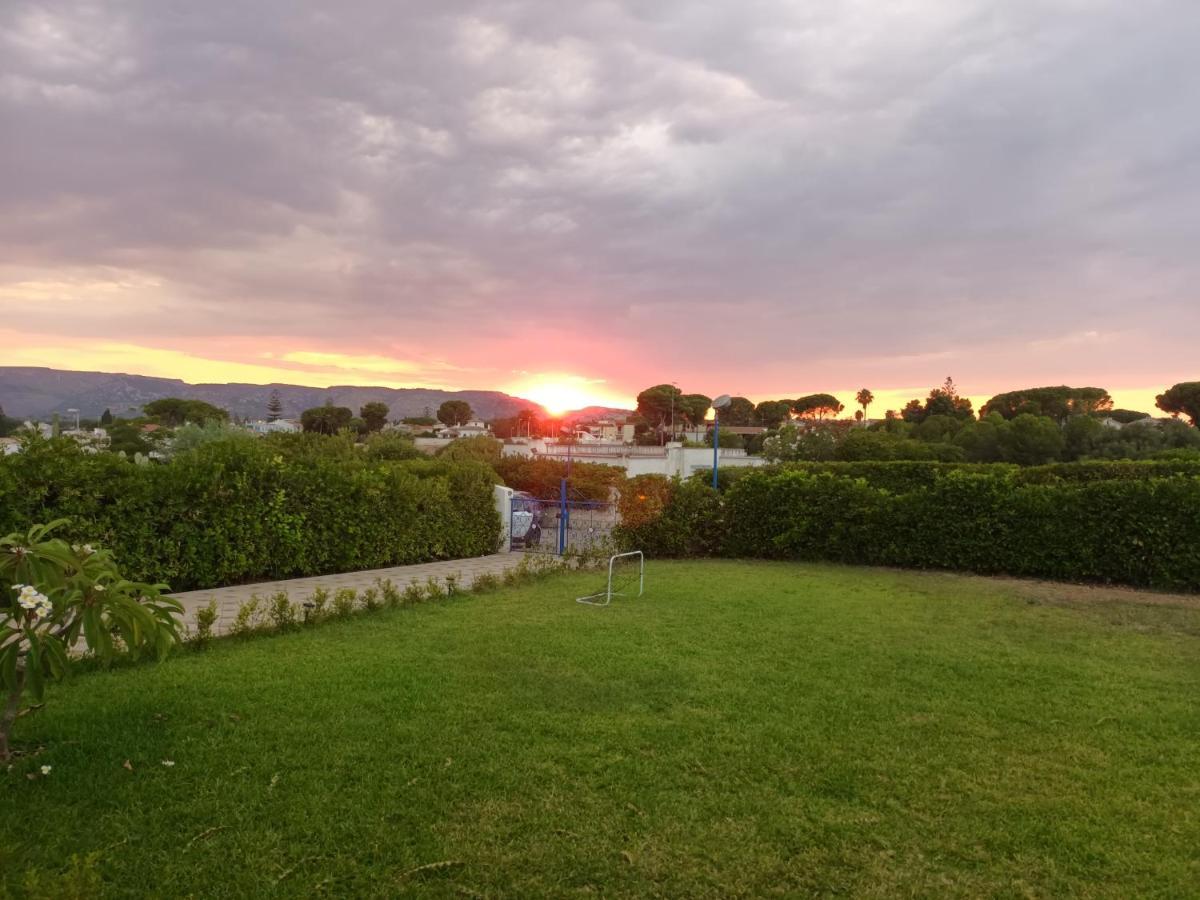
(626, 578)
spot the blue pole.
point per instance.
(716, 436)
(562, 516)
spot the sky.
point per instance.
(573, 201)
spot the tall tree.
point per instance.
(1058, 402)
(106, 418)
(658, 405)
(274, 407)
(740, 412)
(174, 411)
(374, 415)
(1181, 399)
(773, 413)
(816, 406)
(327, 419)
(695, 408)
(864, 398)
(454, 412)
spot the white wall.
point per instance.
(503, 498)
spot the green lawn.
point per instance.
(745, 729)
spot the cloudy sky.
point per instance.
(765, 197)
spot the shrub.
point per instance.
(390, 593)
(665, 517)
(206, 621)
(314, 607)
(51, 594)
(370, 599)
(485, 583)
(248, 618)
(282, 612)
(414, 593)
(344, 602)
(231, 512)
(1131, 531)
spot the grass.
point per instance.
(745, 729)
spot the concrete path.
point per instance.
(230, 599)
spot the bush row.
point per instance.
(233, 512)
(1127, 530)
(903, 476)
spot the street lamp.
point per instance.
(719, 404)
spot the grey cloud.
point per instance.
(768, 177)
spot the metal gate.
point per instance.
(556, 526)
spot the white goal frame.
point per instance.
(604, 597)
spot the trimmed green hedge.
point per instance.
(902, 476)
(1128, 529)
(233, 512)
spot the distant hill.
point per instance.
(38, 392)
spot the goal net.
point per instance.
(626, 578)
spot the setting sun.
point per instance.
(563, 393)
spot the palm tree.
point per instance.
(865, 398)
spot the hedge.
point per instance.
(234, 512)
(1140, 531)
(902, 476)
(542, 477)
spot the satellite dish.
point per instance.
(722, 402)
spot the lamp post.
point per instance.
(719, 404)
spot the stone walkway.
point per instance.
(230, 599)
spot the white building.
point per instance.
(279, 426)
(671, 460)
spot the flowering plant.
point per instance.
(58, 600)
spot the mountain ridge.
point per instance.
(37, 391)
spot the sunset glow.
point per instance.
(562, 393)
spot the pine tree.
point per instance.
(274, 407)
(107, 417)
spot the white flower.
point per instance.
(29, 598)
(46, 770)
(99, 587)
(168, 763)
(87, 549)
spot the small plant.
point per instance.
(315, 607)
(414, 593)
(344, 602)
(370, 599)
(282, 612)
(54, 595)
(248, 618)
(390, 593)
(434, 590)
(485, 583)
(206, 620)
(80, 879)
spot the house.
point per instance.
(474, 428)
(279, 426)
